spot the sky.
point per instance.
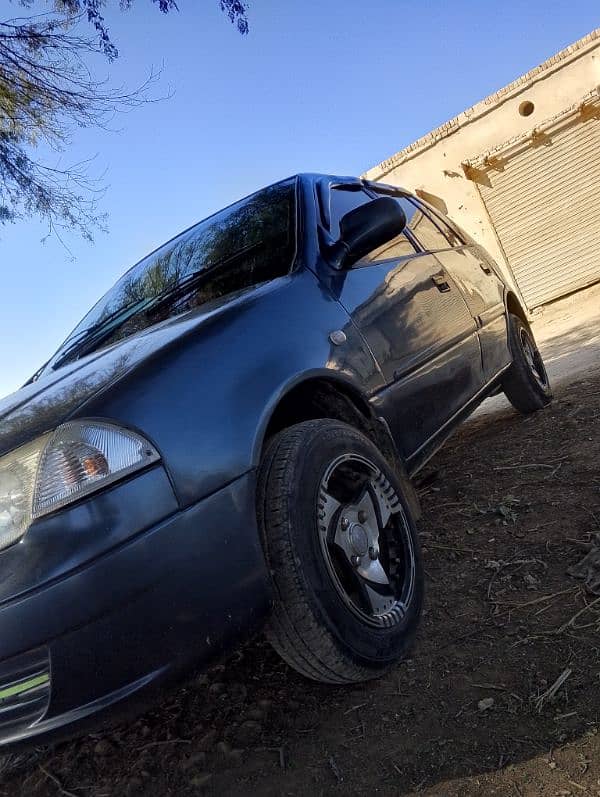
(330, 86)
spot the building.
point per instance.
(520, 171)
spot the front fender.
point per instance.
(205, 400)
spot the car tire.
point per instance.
(526, 383)
(343, 552)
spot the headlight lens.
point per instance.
(79, 458)
(17, 482)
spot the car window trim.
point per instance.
(449, 223)
(414, 201)
(437, 220)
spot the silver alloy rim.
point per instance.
(533, 358)
(366, 541)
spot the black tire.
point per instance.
(321, 628)
(526, 383)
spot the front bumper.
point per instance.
(178, 592)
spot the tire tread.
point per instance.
(523, 392)
(293, 629)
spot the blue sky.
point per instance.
(319, 85)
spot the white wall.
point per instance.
(433, 165)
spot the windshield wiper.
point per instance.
(87, 339)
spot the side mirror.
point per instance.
(366, 228)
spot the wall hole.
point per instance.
(526, 108)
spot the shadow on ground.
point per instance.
(574, 351)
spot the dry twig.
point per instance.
(571, 622)
(56, 782)
(552, 690)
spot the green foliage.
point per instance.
(47, 91)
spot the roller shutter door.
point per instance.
(545, 205)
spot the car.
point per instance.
(227, 443)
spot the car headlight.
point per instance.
(60, 467)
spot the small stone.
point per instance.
(531, 582)
(103, 748)
(265, 704)
(217, 688)
(255, 714)
(201, 781)
(208, 740)
(485, 704)
(196, 760)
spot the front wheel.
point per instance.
(526, 383)
(343, 552)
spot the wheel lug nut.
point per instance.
(355, 561)
(345, 523)
(362, 516)
(373, 553)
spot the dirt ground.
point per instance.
(501, 695)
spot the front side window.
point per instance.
(401, 245)
(251, 242)
(343, 201)
(428, 229)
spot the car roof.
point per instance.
(325, 182)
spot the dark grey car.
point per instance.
(227, 440)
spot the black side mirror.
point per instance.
(366, 228)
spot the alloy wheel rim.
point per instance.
(366, 541)
(533, 358)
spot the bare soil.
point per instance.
(500, 697)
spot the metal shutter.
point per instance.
(545, 205)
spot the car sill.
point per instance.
(424, 453)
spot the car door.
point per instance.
(417, 325)
(474, 271)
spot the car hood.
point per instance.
(54, 397)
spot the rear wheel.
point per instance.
(343, 553)
(526, 382)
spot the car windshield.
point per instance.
(248, 243)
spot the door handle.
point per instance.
(484, 267)
(440, 282)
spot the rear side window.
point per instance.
(449, 232)
(428, 234)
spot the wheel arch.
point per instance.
(321, 395)
(513, 305)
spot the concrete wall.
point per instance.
(433, 165)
